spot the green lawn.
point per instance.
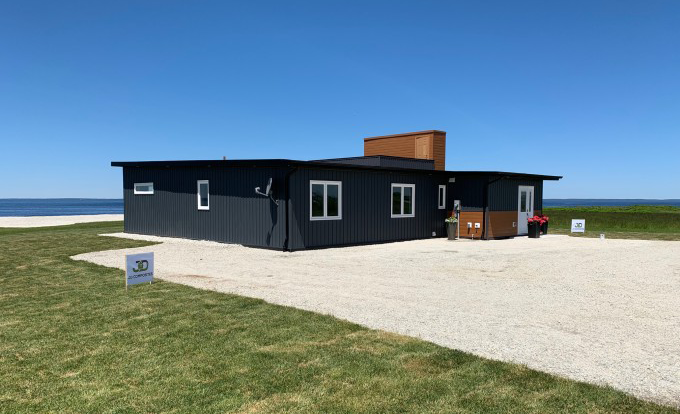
(73, 340)
(638, 222)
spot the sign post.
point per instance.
(578, 226)
(138, 268)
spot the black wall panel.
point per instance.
(504, 194)
(236, 215)
(366, 208)
(470, 191)
(384, 161)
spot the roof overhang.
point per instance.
(284, 163)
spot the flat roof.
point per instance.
(278, 163)
(361, 157)
(429, 131)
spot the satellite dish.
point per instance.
(267, 193)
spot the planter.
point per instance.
(534, 230)
(451, 230)
(544, 228)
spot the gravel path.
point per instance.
(41, 221)
(606, 312)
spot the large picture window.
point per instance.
(325, 200)
(403, 200)
(203, 194)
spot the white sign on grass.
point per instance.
(138, 268)
(578, 226)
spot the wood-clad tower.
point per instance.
(428, 145)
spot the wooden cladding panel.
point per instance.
(396, 147)
(471, 217)
(439, 150)
(501, 223)
(407, 145)
(424, 147)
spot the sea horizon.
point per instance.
(67, 206)
(74, 206)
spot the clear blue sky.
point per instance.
(585, 89)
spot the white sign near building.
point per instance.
(138, 268)
(578, 226)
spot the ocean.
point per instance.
(59, 206)
(87, 206)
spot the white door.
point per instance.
(525, 207)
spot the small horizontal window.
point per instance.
(403, 200)
(143, 188)
(325, 200)
(203, 195)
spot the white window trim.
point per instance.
(441, 202)
(325, 200)
(138, 192)
(413, 196)
(198, 194)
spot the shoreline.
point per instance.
(47, 221)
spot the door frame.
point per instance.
(522, 225)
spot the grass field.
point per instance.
(73, 340)
(642, 222)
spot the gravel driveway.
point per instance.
(605, 312)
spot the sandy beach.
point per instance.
(42, 221)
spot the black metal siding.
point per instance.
(504, 194)
(366, 209)
(390, 162)
(470, 192)
(236, 215)
(384, 161)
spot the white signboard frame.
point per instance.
(578, 226)
(138, 269)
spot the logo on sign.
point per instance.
(138, 268)
(578, 226)
(142, 265)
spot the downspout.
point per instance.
(286, 186)
(485, 212)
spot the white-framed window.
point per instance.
(441, 197)
(203, 194)
(143, 188)
(325, 200)
(403, 200)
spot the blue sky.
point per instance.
(588, 90)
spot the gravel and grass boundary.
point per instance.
(73, 340)
(604, 312)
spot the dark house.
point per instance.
(398, 190)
